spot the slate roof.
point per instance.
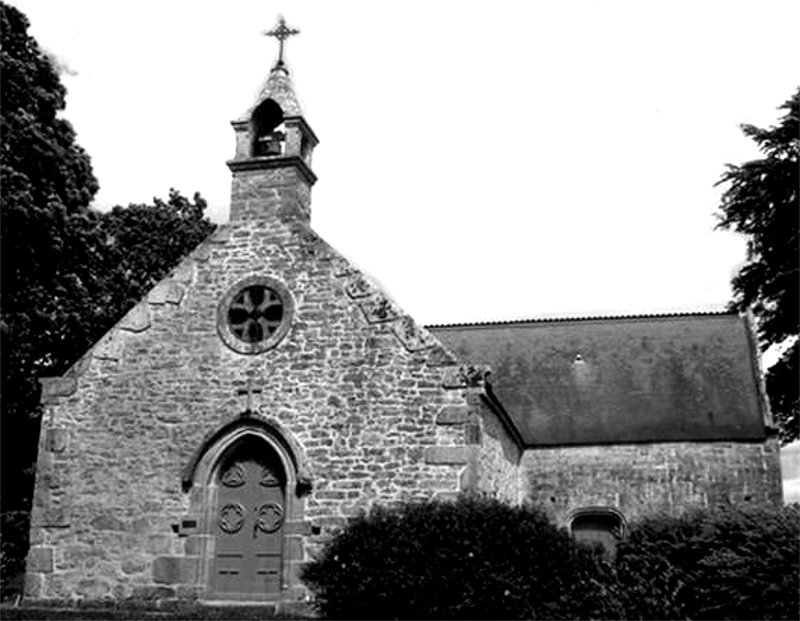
(278, 85)
(620, 379)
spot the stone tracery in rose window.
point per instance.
(255, 314)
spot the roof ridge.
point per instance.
(565, 318)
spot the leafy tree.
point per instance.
(761, 201)
(68, 272)
(144, 242)
(474, 558)
(46, 183)
(726, 563)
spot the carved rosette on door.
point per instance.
(269, 517)
(231, 518)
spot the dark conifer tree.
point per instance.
(761, 202)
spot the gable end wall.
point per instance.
(359, 387)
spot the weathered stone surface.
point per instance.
(412, 336)
(438, 356)
(55, 512)
(55, 387)
(194, 544)
(175, 569)
(36, 536)
(93, 588)
(452, 415)
(184, 273)
(472, 434)
(341, 267)
(166, 292)
(141, 525)
(57, 587)
(294, 550)
(159, 544)
(150, 593)
(378, 309)
(107, 522)
(34, 584)
(645, 479)
(448, 454)
(188, 592)
(298, 528)
(110, 347)
(358, 287)
(56, 439)
(40, 559)
(221, 235)
(497, 450)
(133, 564)
(202, 253)
(137, 319)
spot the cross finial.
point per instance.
(281, 32)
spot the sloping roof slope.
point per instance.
(623, 379)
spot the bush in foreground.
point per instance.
(723, 564)
(472, 558)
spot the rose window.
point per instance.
(255, 314)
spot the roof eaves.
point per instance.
(598, 317)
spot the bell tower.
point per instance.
(272, 174)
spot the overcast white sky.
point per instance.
(482, 160)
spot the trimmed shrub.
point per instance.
(475, 558)
(721, 564)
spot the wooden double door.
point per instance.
(251, 508)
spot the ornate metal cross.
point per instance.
(249, 391)
(281, 32)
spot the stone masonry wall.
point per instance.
(499, 455)
(481, 440)
(642, 479)
(360, 388)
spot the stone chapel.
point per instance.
(266, 390)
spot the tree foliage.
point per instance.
(475, 558)
(761, 202)
(721, 564)
(478, 558)
(68, 272)
(47, 184)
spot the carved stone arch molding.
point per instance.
(215, 443)
(201, 477)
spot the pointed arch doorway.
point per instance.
(246, 485)
(249, 521)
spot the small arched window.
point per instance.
(265, 122)
(598, 526)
